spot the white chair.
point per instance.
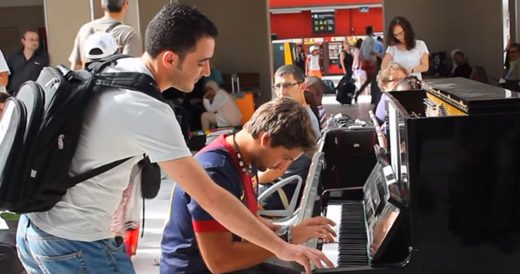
(290, 207)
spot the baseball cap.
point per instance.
(99, 45)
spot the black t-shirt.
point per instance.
(348, 60)
(24, 70)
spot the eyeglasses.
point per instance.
(285, 85)
(399, 33)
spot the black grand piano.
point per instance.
(445, 198)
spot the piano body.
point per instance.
(456, 190)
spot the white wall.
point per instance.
(428, 19)
(243, 44)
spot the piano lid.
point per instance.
(473, 97)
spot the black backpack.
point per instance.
(345, 90)
(40, 129)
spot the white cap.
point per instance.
(99, 45)
(313, 48)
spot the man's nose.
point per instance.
(206, 70)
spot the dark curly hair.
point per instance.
(177, 28)
(409, 34)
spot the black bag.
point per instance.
(330, 87)
(43, 125)
(150, 178)
(345, 90)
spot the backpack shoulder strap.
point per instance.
(95, 172)
(102, 63)
(141, 82)
(113, 26)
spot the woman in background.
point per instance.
(404, 49)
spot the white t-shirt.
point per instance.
(3, 68)
(314, 62)
(120, 123)
(125, 36)
(227, 111)
(409, 58)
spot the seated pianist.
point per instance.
(193, 242)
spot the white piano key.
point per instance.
(331, 250)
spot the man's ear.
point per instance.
(169, 59)
(302, 86)
(265, 139)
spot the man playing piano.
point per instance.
(193, 242)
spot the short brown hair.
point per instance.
(293, 70)
(287, 123)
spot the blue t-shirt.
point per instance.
(180, 253)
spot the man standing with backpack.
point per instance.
(126, 38)
(74, 236)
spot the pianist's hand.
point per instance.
(317, 227)
(303, 255)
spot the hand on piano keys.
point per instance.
(317, 227)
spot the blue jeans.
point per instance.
(41, 252)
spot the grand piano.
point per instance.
(445, 197)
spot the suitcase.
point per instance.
(349, 156)
(246, 104)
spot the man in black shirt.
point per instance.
(27, 63)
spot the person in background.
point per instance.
(358, 73)
(4, 73)
(300, 57)
(346, 59)
(27, 63)
(127, 39)
(379, 47)
(221, 110)
(316, 88)
(460, 67)
(387, 79)
(312, 63)
(404, 49)
(368, 60)
(512, 75)
(193, 241)
(289, 81)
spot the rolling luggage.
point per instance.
(345, 91)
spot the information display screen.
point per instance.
(323, 22)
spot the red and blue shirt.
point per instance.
(180, 253)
